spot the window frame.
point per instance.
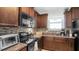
(62, 22)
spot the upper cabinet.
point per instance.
(68, 19)
(31, 12)
(71, 15)
(75, 12)
(8, 16)
(42, 21)
(27, 10)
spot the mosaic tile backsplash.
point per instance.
(8, 30)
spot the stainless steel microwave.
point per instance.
(8, 40)
(26, 21)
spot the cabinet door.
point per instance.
(31, 12)
(42, 21)
(68, 19)
(75, 12)
(13, 16)
(48, 43)
(64, 44)
(9, 16)
(71, 44)
(28, 10)
(25, 10)
(39, 22)
(3, 15)
(59, 44)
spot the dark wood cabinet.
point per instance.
(28, 10)
(64, 44)
(25, 10)
(31, 12)
(75, 12)
(48, 43)
(71, 15)
(58, 43)
(8, 16)
(71, 44)
(68, 19)
(42, 21)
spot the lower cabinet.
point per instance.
(58, 43)
(48, 43)
(71, 44)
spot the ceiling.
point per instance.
(52, 11)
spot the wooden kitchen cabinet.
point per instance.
(70, 44)
(28, 10)
(25, 10)
(31, 12)
(8, 16)
(68, 19)
(71, 15)
(75, 12)
(58, 43)
(42, 21)
(48, 43)
(63, 44)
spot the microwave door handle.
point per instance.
(17, 39)
(1, 45)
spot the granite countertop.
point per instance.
(37, 36)
(16, 47)
(58, 36)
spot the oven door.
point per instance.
(30, 46)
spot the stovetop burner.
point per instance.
(29, 41)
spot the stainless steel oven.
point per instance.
(28, 39)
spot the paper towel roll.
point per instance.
(36, 46)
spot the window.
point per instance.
(56, 24)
